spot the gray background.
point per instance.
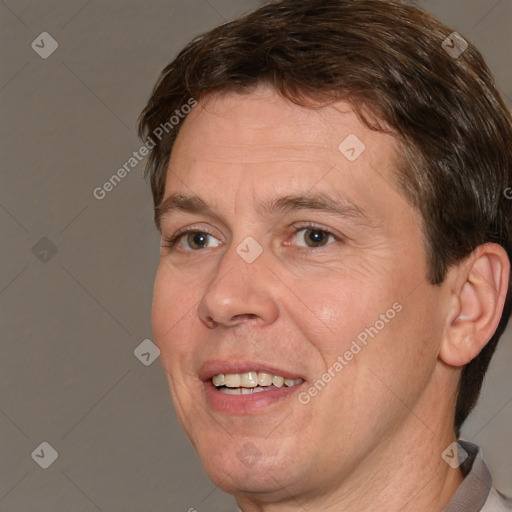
(71, 320)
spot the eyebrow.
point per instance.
(339, 206)
(180, 203)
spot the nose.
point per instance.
(240, 292)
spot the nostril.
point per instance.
(246, 316)
(210, 322)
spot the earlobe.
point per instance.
(479, 292)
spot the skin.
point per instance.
(372, 438)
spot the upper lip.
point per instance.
(216, 366)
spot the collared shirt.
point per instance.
(475, 493)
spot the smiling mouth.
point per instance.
(249, 383)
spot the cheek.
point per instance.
(402, 357)
(174, 304)
(332, 310)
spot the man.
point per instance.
(328, 179)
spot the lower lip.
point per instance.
(247, 404)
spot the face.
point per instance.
(288, 252)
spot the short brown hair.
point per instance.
(388, 60)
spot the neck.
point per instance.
(404, 473)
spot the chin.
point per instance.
(240, 467)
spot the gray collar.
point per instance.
(472, 493)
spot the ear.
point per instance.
(479, 289)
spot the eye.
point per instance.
(313, 237)
(193, 241)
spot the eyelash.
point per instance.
(170, 243)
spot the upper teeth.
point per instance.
(251, 380)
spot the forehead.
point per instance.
(268, 146)
(269, 125)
